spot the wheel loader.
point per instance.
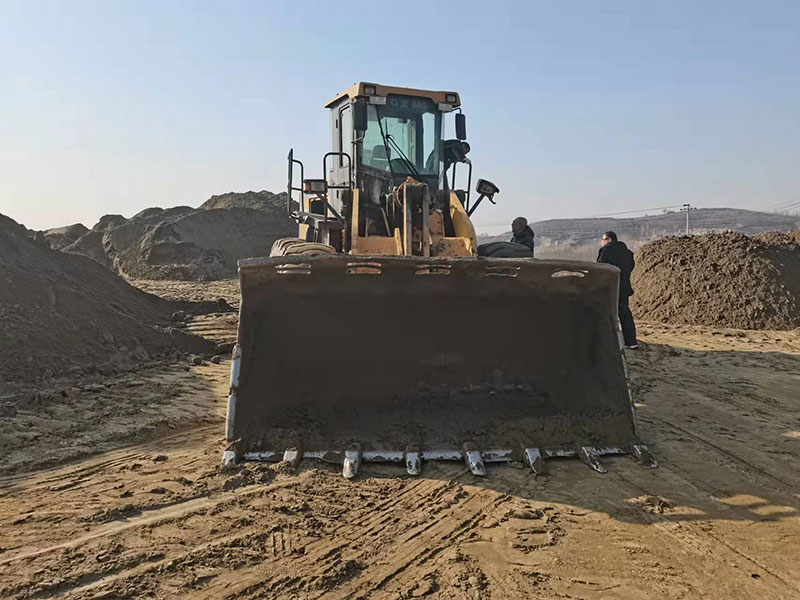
(379, 333)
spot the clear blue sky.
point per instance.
(574, 108)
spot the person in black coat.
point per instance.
(523, 234)
(614, 252)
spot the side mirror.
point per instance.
(360, 116)
(461, 126)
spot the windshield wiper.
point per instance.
(387, 139)
(409, 164)
(385, 143)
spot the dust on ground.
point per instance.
(161, 518)
(67, 419)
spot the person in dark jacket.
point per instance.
(523, 234)
(614, 252)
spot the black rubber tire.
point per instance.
(298, 247)
(504, 250)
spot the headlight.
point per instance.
(486, 188)
(369, 90)
(315, 186)
(451, 98)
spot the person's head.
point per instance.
(518, 224)
(608, 237)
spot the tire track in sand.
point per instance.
(374, 519)
(337, 569)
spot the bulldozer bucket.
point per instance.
(407, 359)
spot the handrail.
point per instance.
(349, 169)
(290, 188)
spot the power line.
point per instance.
(625, 212)
(704, 222)
(787, 208)
(628, 212)
(784, 205)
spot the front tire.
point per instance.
(298, 247)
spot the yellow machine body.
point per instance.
(380, 334)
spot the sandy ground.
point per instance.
(192, 291)
(144, 510)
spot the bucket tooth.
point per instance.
(230, 418)
(474, 460)
(589, 455)
(643, 455)
(535, 460)
(292, 457)
(352, 461)
(228, 458)
(413, 461)
(231, 455)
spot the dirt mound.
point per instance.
(60, 237)
(108, 222)
(90, 244)
(64, 313)
(205, 244)
(720, 279)
(189, 243)
(263, 200)
(775, 238)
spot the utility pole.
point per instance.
(686, 208)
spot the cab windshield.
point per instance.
(403, 136)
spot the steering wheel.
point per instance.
(400, 166)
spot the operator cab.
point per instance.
(389, 134)
(381, 138)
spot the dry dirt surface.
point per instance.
(191, 291)
(720, 279)
(219, 327)
(65, 314)
(149, 512)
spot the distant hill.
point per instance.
(579, 238)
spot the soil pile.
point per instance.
(62, 313)
(263, 200)
(61, 237)
(90, 244)
(720, 279)
(186, 243)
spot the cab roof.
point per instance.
(358, 89)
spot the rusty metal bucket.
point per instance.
(408, 359)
